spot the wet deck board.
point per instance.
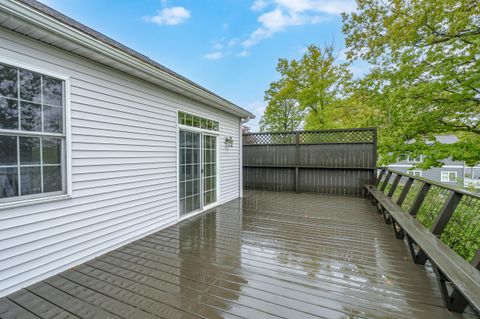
(270, 255)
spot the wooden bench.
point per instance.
(425, 245)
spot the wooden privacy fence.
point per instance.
(336, 162)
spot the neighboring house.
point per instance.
(452, 172)
(99, 145)
(472, 177)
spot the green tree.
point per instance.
(283, 112)
(311, 92)
(320, 86)
(426, 75)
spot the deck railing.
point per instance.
(450, 213)
(336, 161)
(428, 213)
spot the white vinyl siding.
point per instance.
(124, 167)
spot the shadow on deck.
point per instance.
(271, 255)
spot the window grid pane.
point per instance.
(32, 102)
(197, 121)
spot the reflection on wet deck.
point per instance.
(269, 255)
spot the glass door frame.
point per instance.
(202, 133)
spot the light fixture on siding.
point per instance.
(229, 141)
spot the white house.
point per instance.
(99, 145)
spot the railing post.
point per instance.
(379, 178)
(442, 219)
(385, 182)
(446, 213)
(405, 190)
(297, 160)
(458, 303)
(417, 202)
(395, 182)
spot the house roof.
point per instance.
(58, 25)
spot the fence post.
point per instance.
(297, 160)
(374, 150)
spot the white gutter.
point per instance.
(69, 33)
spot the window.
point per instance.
(197, 121)
(402, 157)
(415, 173)
(447, 176)
(32, 134)
(417, 159)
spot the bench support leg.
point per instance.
(458, 303)
(454, 301)
(386, 216)
(399, 234)
(442, 283)
(413, 253)
(421, 258)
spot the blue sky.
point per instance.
(228, 46)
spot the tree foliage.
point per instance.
(426, 75)
(309, 93)
(424, 80)
(283, 112)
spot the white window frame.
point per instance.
(413, 160)
(218, 182)
(413, 172)
(17, 201)
(447, 179)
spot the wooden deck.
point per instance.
(271, 255)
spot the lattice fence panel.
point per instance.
(344, 136)
(311, 137)
(269, 138)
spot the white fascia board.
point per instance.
(68, 33)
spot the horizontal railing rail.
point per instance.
(450, 214)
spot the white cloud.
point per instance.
(217, 45)
(214, 55)
(302, 50)
(244, 53)
(259, 5)
(170, 16)
(324, 6)
(287, 13)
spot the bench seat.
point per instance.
(464, 276)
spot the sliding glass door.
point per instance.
(209, 169)
(197, 171)
(189, 172)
